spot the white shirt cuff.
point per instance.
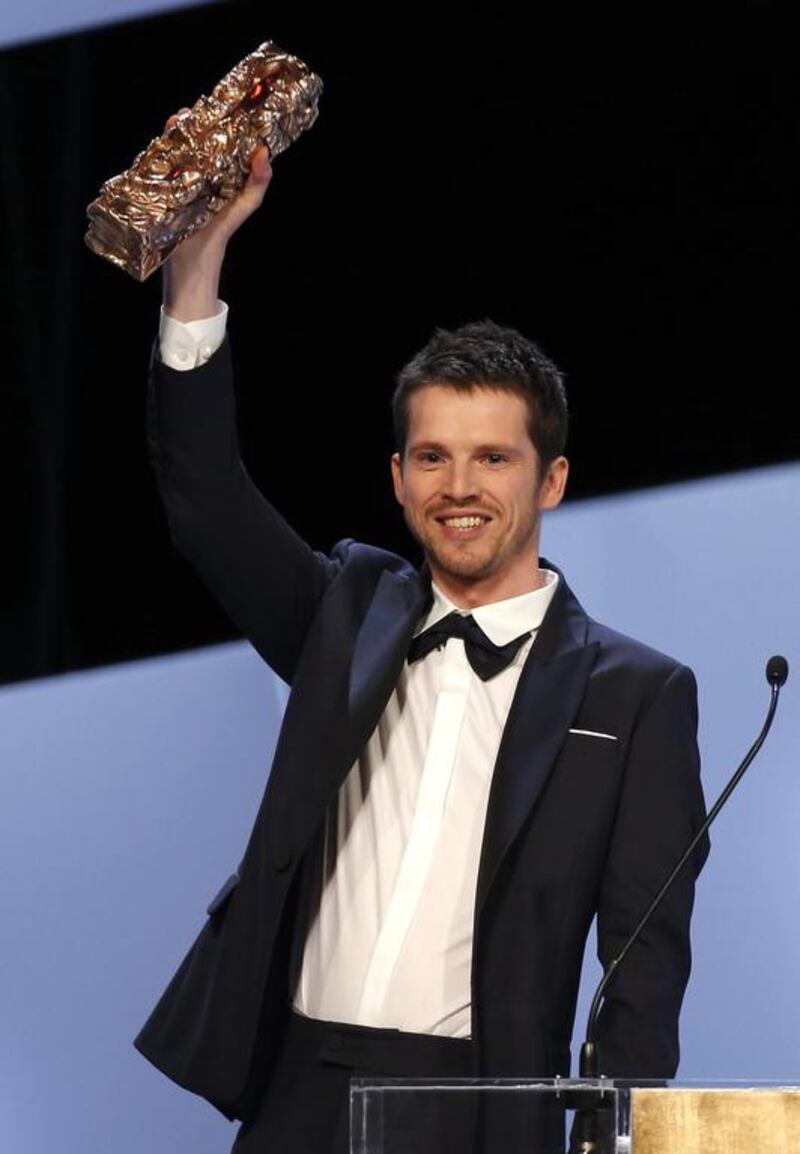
(184, 346)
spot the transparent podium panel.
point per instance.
(471, 1116)
(572, 1116)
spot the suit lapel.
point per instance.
(350, 714)
(548, 696)
(382, 642)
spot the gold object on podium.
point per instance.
(195, 167)
(738, 1121)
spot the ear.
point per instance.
(397, 478)
(554, 483)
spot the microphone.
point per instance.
(777, 671)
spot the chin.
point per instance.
(463, 567)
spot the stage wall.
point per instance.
(41, 19)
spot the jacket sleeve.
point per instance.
(661, 808)
(265, 576)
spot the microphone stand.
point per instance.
(586, 1118)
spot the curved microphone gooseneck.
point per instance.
(777, 671)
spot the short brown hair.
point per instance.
(485, 354)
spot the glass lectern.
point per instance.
(507, 1116)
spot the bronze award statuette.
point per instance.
(186, 175)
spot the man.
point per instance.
(469, 767)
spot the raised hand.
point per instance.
(191, 274)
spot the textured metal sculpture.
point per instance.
(199, 164)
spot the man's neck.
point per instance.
(470, 594)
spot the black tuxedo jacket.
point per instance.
(595, 791)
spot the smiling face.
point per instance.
(472, 492)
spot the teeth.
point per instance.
(463, 522)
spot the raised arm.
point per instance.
(266, 577)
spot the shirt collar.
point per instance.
(504, 620)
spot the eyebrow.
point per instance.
(489, 447)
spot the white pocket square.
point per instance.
(594, 733)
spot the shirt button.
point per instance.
(182, 354)
(282, 862)
(205, 352)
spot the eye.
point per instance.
(495, 458)
(429, 457)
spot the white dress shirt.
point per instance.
(389, 937)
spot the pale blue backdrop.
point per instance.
(38, 19)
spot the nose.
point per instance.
(460, 485)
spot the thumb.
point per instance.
(257, 182)
(260, 167)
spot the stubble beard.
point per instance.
(473, 560)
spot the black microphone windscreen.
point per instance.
(777, 670)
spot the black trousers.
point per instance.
(305, 1108)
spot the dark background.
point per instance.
(621, 188)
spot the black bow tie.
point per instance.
(484, 656)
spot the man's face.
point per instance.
(472, 495)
